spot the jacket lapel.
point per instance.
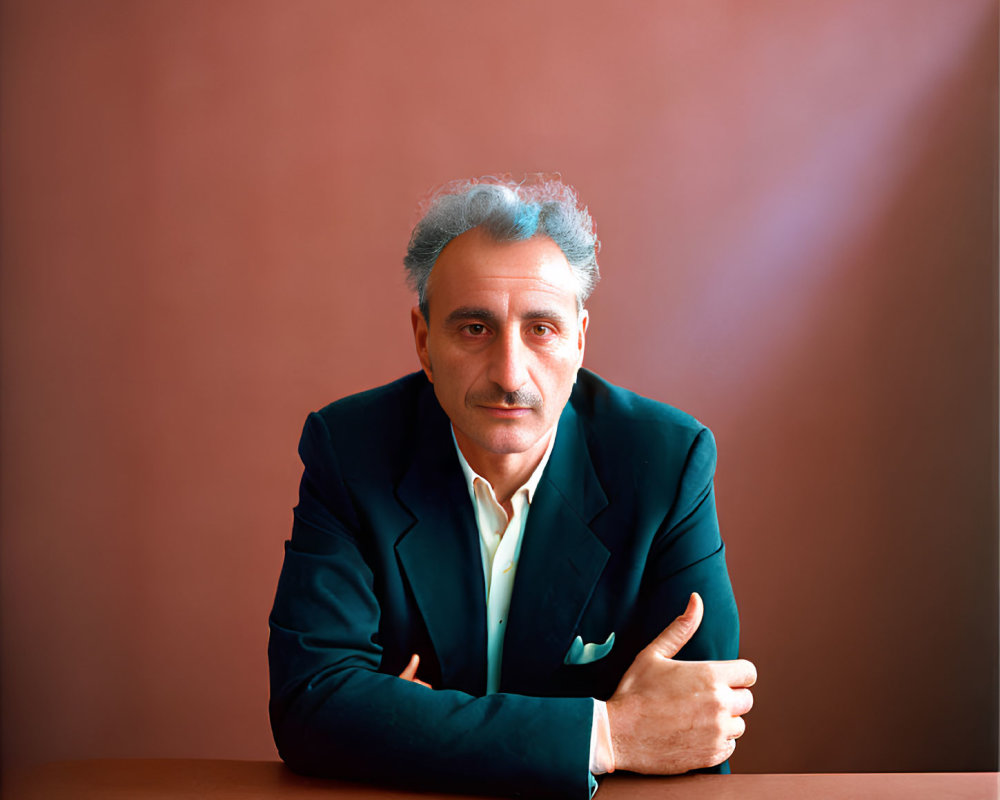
(560, 563)
(440, 553)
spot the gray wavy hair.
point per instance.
(508, 211)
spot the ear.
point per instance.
(582, 340)
(420, 340)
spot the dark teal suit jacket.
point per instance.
(384, 561)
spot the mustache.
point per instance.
(522, 398)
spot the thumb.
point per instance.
(678, 632)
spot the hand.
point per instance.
(668, 716)
(409, 672)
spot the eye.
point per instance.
(475, 329)
(538, 329)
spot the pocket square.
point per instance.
(580, 653)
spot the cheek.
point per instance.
(449, 373)
(560, 376)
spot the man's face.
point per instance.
(503, 342)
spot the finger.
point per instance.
(742, 701)
(724, 752)
(678, 632)
(739, 674)
(409, 672)
(422, 683)
(737, 728)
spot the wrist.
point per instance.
(618, 734)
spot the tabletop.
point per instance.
(207, 779)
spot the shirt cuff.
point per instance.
(602, 755)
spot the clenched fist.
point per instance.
(669, 716)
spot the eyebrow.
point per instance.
(464, 313)
(557, 317)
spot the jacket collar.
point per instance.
(440, 552)
(561, 558)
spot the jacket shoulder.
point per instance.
(637, 421)
(377, 402)
(636, 439)
(646, 453)
(370, 429)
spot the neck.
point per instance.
(506, 472)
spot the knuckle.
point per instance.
(724, 751)
(707, 678)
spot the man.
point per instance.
(402, 648)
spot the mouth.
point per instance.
(506, 412)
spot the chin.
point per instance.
(505, 447)
(509, 445)
(504, 442)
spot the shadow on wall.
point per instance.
(877, 403)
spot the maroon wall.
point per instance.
(204, 209)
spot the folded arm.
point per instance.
(334, 714)
(679, 705)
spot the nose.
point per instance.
(508, 366)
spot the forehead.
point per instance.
(473, 266)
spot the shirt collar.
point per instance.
(529, 485)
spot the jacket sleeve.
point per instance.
(334, 714)
(688, 555)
